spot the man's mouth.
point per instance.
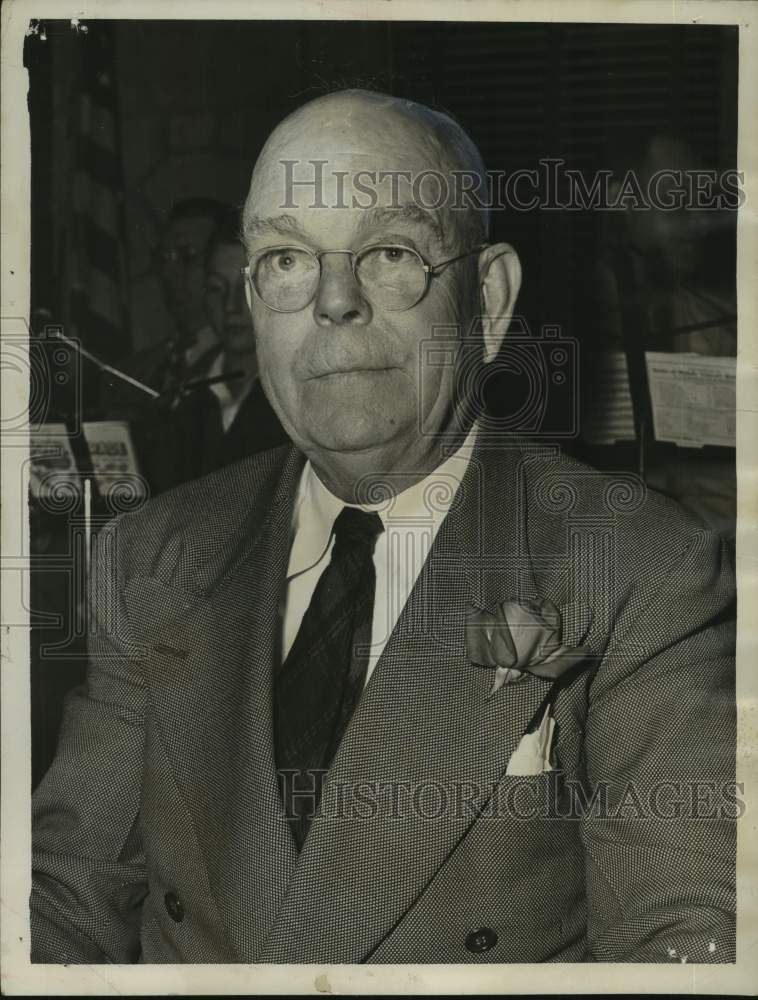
(353, 370)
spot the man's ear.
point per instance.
(499, 282)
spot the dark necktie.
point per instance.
(319, 684)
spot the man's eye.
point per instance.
(286, 262)
(214, 289)
(395, 255)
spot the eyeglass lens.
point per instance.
(391, 277)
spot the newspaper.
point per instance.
(53, 472)
(693, 398)
(114, 461)
(54, 469)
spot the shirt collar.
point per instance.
(221, 389)
(217, 365)
(316, 507)
(204, 339)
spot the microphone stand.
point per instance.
(107, 368)
(173, 394)
(185, 388)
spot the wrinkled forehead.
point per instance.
(349, 136)
(342, 180)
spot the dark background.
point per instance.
(194, 101)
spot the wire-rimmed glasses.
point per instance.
(391, 276)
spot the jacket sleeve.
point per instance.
(88, 868)
(660, 746)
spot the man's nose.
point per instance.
(339, 299)
(234, 300)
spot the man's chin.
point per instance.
(352, 430)
(347, 414)
(353, 439)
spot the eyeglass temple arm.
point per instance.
(431, 268)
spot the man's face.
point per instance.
(225, 298)
(343, 373)
(183, 271)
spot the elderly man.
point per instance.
(408, 691)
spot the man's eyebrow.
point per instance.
(286, 225)
(281, 225)
(410, 212)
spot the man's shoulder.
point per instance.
(559, 500)
(576, 515)
(235, 486)
(202, 515)
(558, 482)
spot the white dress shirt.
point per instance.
(229, 404)
(411, 520)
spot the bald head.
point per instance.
(362, 114)
(389, 141)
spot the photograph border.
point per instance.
(19, 977)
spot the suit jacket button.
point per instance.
(174, 906)
(481, 940)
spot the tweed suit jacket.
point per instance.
(158, 831)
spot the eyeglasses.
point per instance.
(391, 276)
(179, 255)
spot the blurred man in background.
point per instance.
(228, 419)
(180, 265)
(184, 354)
(664, 257)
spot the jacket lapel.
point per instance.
(426, 743)
(209, 675)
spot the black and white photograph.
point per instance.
(375, 429)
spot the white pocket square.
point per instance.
(532, 755)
